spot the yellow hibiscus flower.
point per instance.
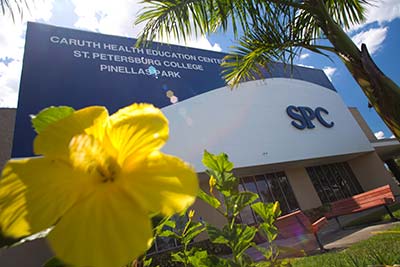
(97, 181)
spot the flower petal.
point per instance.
(107, 229)
(87, 155)
(54, 139)
(45, 190)
(137, 130)
(162, 183)
(12, 205)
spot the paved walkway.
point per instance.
(334, 238)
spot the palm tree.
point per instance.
(14, 6)
(278, 30)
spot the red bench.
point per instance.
(381, 196)
(296, 226)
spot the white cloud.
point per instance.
(373, 38)
(11, 39)
(384, 10)
(329, 71)
(380, 11)
(12, 47)
(200, 42)
(392, 136)
(304, 56)
(107, 17)
(9, 83)
(380, 135)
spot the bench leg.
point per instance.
(321, 247)
(338, 222)
(391, 214)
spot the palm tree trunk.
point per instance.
(383, 94)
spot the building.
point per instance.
(291, 136)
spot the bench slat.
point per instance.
(374, 198)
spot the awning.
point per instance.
(387, 148)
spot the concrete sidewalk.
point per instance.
(335, 238)
(340, 239)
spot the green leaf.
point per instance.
(266, 252)
(263, 264)
(199, 259)
(213, 260)
(160, 222)
(238, 238)
(267, 211)
(168, 233)
(55, 262)
(227, 184)
(178, 257)
(269, 230)
(242, 200)
(147, 262)
(243, 236)
(216, 235)
(192, 231)
(170, 223)
(48, 116)
(219, 163)
(212, 201)
(219, 166)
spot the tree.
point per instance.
(278, 30)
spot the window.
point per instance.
(270, 187)
(334, 181)
(166, 243)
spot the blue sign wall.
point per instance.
(78, 68)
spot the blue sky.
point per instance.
(381, 33)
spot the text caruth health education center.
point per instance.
(290, 136)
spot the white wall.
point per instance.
(371, 172)
(251, 121)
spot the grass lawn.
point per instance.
(381, 249)
(377, 216)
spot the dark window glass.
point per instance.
(279, 195)
(249, 184)
(352, 178)
(318, 185)
(263, 188)
(246, 215)
(269, 187)
(334, 181)
(334, 185)
(289, 195)
(166, 243)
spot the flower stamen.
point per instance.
(106, 174)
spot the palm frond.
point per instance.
(14, 7)
(182, 18)
(347, 12)
(273, 30)
(269, 42)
